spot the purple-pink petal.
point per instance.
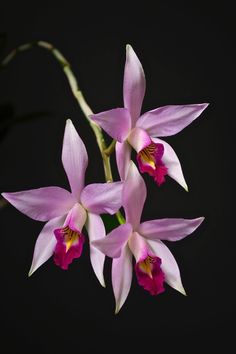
(134, 84)
(96, 230)
(99, 198)
(42, 204)
(74, 159)
(113, 243)
(170, 120)
(169, 229)
(122, 277)
(134, 195)
(123, 158)
(169, 265)
(116, 122)
(45, 244)
(171, 161)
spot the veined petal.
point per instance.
(169, 229)
(134, 84)
(42, 204)
(116, 122)
(45, 244)
(99, 198)
(113, 243)
(123, 157)
(122, 277)
(170, 120)
(96, 230)
(139, 139)
(134, 196)
(171, 161)
(169, 265)
(74, 158)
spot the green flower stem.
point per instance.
(104, 150)
(109, 150)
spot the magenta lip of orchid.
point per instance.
(66, 213)
(144, 132)
(155, 264)
(69, 246)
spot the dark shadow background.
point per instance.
(186, 49)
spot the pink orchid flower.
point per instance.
(154, 261)
(154, 155)
(66, 213)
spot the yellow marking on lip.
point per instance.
(146, 266)
(70, 236)
(147, 157)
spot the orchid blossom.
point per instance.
(125, 125)
(66, 213)
(154, 261)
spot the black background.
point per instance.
(186, 49)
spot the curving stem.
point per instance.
(104, 150)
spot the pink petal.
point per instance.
(101, 198)
(74, 158)
(171, 161)
(112, 244)
(42, 204)
(134, 84)
(139, 139)
(122, 277)
(134, 195)
(96, 230)
(116, 122)
(123, 157)
(45, 244)
(169, 229)
(169, 120)
(169, 265)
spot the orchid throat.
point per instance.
(69, 246)
(150, 275)
(150, 161)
